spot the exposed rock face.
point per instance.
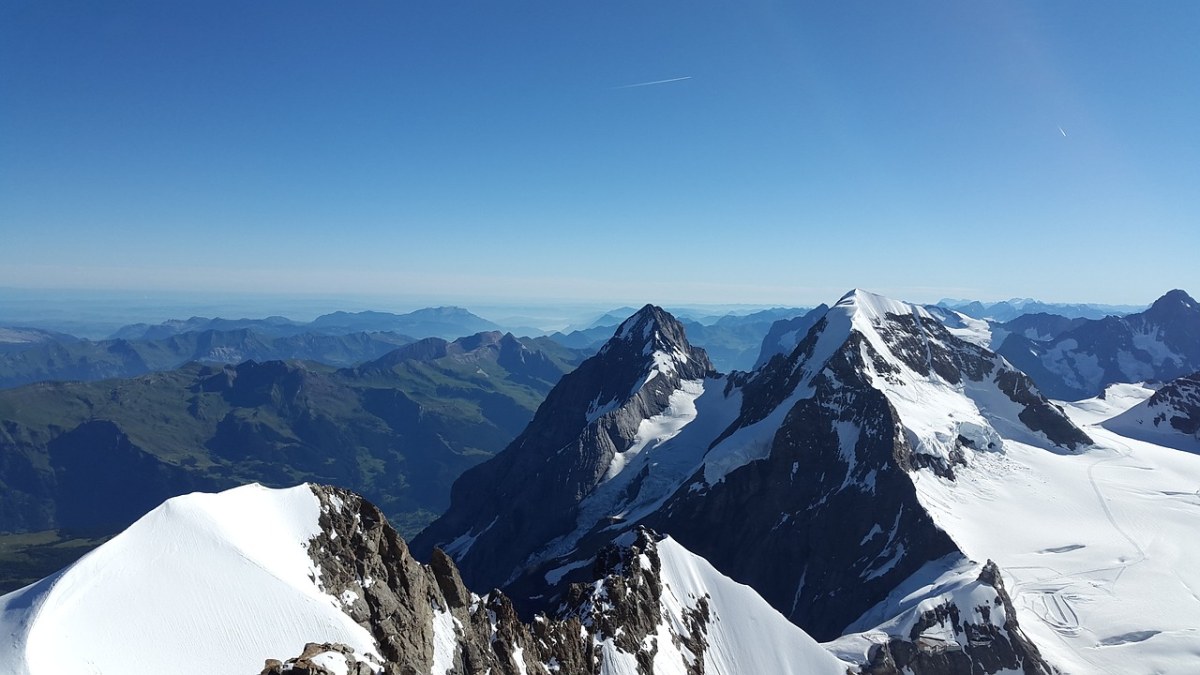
(950, 638)
(530, 490)
(1160, 343)
(418, 615)
(424, 619)
(827, 523)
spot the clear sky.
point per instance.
(497, 150)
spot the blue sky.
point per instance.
(493, 150)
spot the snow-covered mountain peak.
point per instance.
(874, 308)
(893, 331)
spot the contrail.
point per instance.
(649, 84)
(1060, 130)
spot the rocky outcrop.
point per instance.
(320, 659)
(977, 636)
(419, 615)
(424, 619)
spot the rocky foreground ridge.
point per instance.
(640, 616)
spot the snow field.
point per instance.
(222, 580)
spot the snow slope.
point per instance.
(745, 634)
(1117, 399)
(222, 581)
(742, 633)
(1098, 548)
(1171, 417)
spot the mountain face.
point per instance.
(253, 574)
(815, 453)
(212, 579)
(639, 387)
(1170, 417)
(784, 334)
(92, 457)
(1161, 343)
(963, 622)
(121, 358)
(861, 484)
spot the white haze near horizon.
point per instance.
(97, 313)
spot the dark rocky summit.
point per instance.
(510, 506)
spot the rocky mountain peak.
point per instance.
(652, 329)
(1174, 302)
(580, 435)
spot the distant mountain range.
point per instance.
(340, 339)
(1007, 310)
(442, 322)
(90, 457)
(74, 359)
